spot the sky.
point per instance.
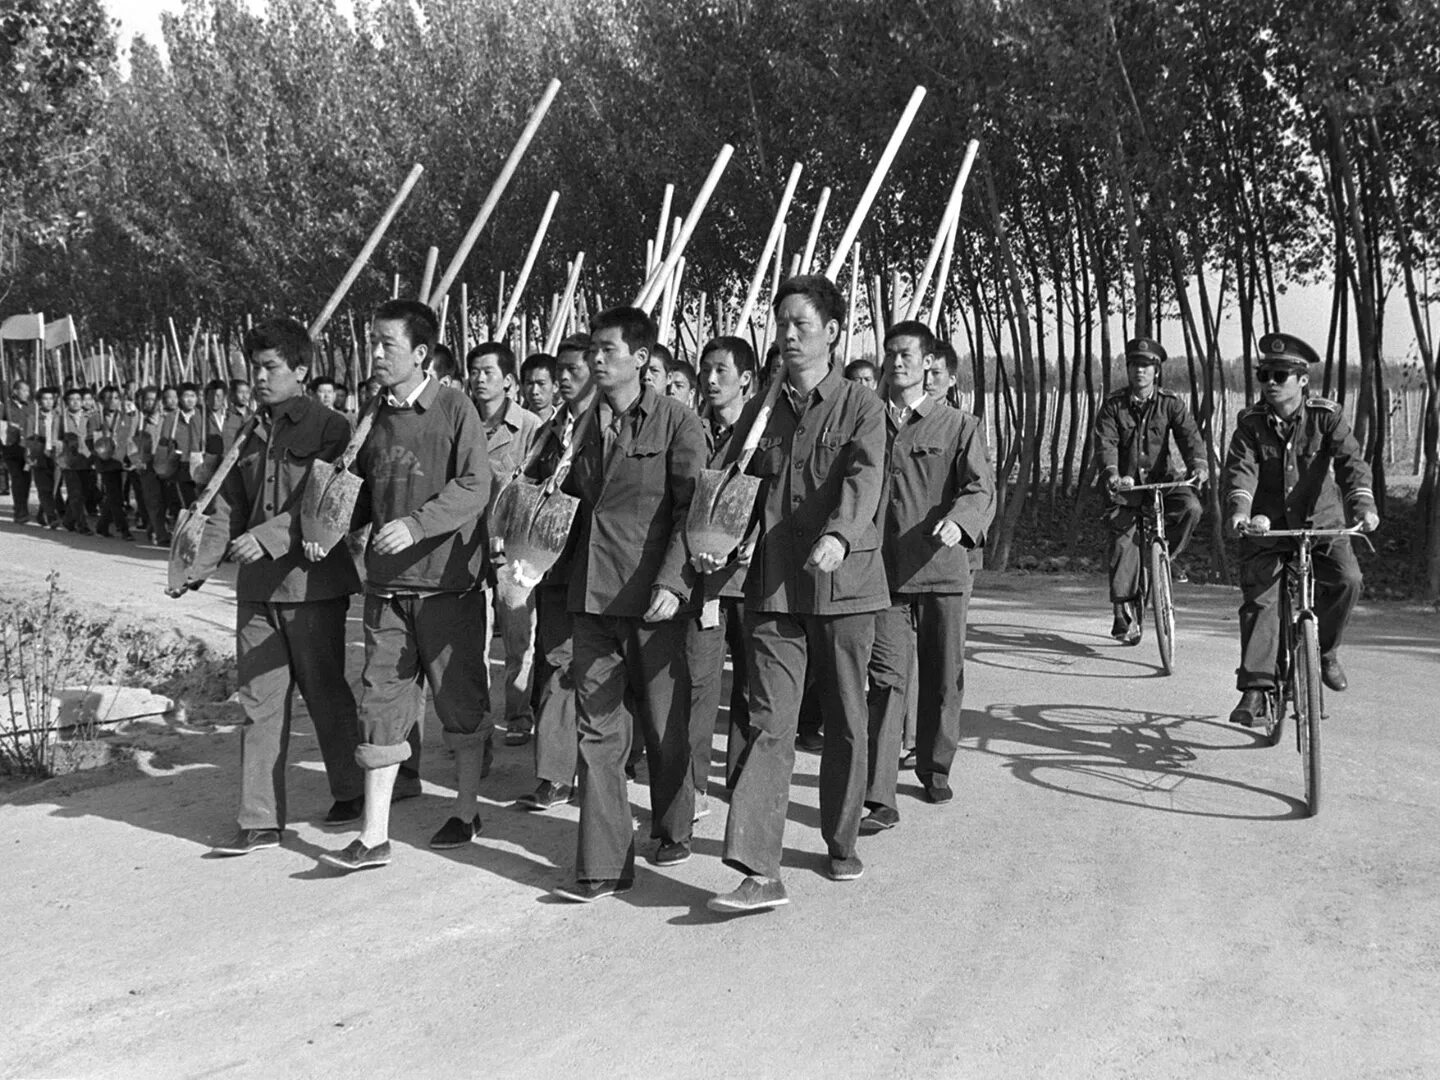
(1304, 310)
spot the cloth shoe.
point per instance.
(754, 894)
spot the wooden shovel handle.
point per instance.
(202, 504)
(757, 429)
(371, 243)
(496, 190)
(357, 440)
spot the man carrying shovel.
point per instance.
(290, 612)
(426, 484)
(938, 500)
(636, 457)
(814, 583)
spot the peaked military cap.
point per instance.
(1146, 349)
(1287, 351)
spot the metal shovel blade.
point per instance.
(195, 552)
(535, 527)
(720, 511)
(328, 504)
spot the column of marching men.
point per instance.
(874, 488)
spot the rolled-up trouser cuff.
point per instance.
(373, 756)
(460, 740)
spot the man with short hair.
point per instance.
(13, 414)
(727, 372)
(427, 484)
(242, 398)
(636, 458)
(289, 612)
(863, 372)
(149, 426)
(112, 434)
(1293, 464)
(442, 365)
(681, 383)
(182, 451)
(509, 435)
(556, 738)
(74, 460)
(323, 387)
(942, 375)
(938, 500)
(41, 436)
(538, 376)
(815, 581)
(1132, 446)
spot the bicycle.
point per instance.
(1156, 581)
(1297, 667)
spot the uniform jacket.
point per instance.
(74, 435)
(41, 434)
(823, 473)
(936, 469)
(633, 507)
(1284, 470)
(119, 426)
(1134, 440)
(508, 443)
(261, 495)
(426, 464)
(146, 438)
(221, 429)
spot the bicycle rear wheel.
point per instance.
(1308, 706)
(1162, 603)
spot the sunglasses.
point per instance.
(1279, 378)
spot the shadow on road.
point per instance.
(1128, 757)
(1047, 652)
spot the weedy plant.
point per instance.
(46, 647)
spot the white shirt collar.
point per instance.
(410, 398)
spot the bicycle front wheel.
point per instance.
(1162, 604)
(1308, 706)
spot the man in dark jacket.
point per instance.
(815, 581)
(427, 484)
(1132, 446)
(631, 586)
(290, 612)
(938, 500)
(1279, 469)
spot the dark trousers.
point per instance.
(413, 641)
(19, 488)
(280, 648)
(43, 477)
(78, 483)
(135, 492)
(781, 648)
(1182, 514)
(112, 502)
(935, 624)
(1337, 590)
(705, 653)
(609, 654)
(152, 492)
(556, 736)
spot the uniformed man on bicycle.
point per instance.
(1294, 462)
(1132, 446)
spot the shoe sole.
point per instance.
(847, 876)
(450, 845)
(342, 864)
(870, 828)
(234, 851)
(328, 824)
(576, 898)
(673, 862)
(716, 903)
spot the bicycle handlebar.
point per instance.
(1189, 481)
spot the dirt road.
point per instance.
(1122, 888)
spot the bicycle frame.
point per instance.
(1152, 521)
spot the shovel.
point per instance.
(724, 499)
(328, 505)
(534, 520)
(196, 549)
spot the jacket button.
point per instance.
(800, 430)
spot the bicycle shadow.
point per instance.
(1128, 757)
(1014, 647)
